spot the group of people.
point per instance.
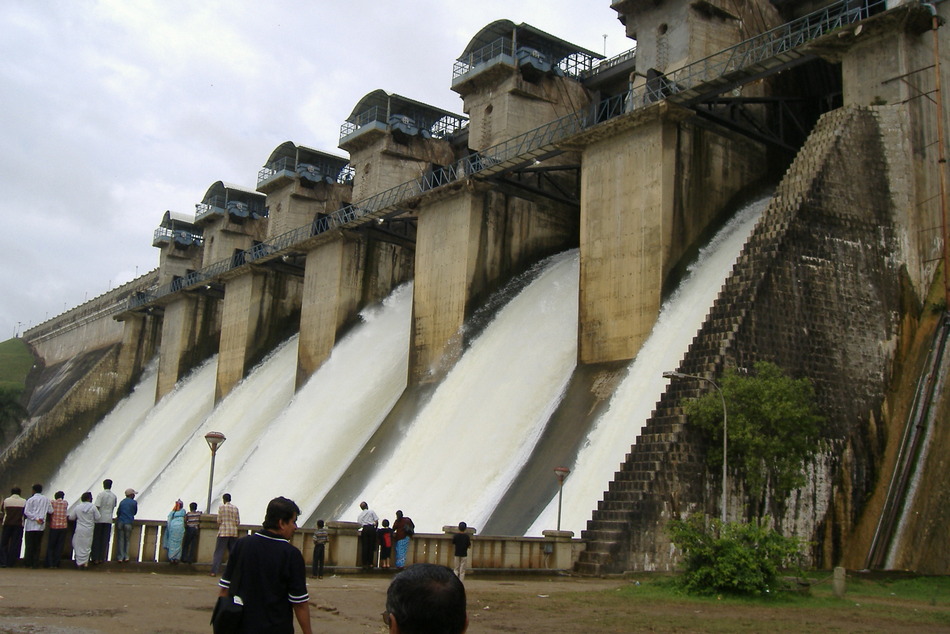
(264, 568)
(383, 539)
(25, 520)
(266, 575)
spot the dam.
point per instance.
(353, 302)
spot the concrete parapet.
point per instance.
(554, 551)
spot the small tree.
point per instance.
(773, 429)
(733, 558)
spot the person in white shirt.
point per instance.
(368, 521)
(35, 511)
(105, 503)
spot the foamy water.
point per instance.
(462, 449)
(471, 439)
(305, 448)
(137, 440)
(243, 416)
(680, 318)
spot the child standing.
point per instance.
(192, 528)
(462, 541)
(384, 536)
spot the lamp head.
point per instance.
(215, 439)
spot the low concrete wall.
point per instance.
(556, 550)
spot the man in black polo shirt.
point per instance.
(269, 574)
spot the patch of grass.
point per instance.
(657, 603)
(16, 361)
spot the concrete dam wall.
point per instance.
(830, 286)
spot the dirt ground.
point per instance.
(69, 601)
(117, 600)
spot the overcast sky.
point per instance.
(112, 112)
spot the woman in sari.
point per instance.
(85, 514)
(175, 532)
(403, 530)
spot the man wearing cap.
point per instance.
(124, 517)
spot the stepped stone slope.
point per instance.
(818, 290)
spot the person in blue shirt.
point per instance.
(124, 517)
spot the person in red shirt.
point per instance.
(384, 536)
(57, 530)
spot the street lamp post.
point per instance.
(725, 431)
(215, 439)
(561, 473)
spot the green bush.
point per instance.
(732, 558)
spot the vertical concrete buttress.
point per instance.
(243, 298)
(138, 345)
(179, 331)
(331, 297)
(627, 205)
(447, 242)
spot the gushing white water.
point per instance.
(242, 416)
(463, 448)
(135, 442)
(680, 318)
(303, 451)
(80, 470)
(471, 439)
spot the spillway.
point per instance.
(464, 444)
(680, 318)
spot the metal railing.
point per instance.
(768, 45)
(374, 114)
(534, 143)
(573, 65)
(577, 64)
(203, 210)
(271, 170)
(607, 64)
(164, 233)
(444, 126)
(502, 47)
(287, 164)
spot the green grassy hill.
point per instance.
(15, 363)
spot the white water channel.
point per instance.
(464, 446)
(467, 444)
(680, 318)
